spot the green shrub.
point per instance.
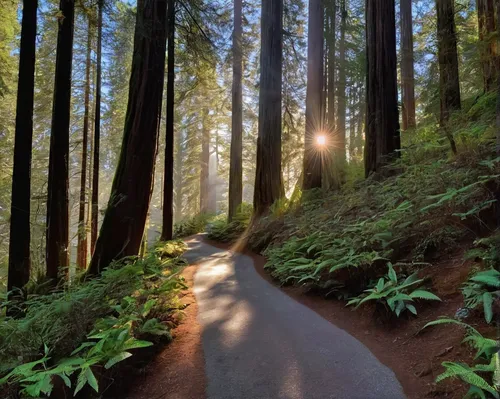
(396, 294)
(220, 230)
(90, 323)
(194, 225)
(482, 288)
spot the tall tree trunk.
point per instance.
(57, 190)
(340, 142)
(236, 160)
(268, 184)
(82, 230)
(352, 120)
(498, 80)
(407, 73)
(486, 27)
(168, 182)
(123, 225)
(314, 121)
(205, 161)
(491, 48)
(97, 134)
(382, 120)
(331, 174)
(449, 85)
(331, 40)
(179, 156)
(19, 242)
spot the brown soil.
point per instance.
(414, 356)
(177, 372)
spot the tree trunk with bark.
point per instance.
(449, 85)
(268, 184)
(382, 120)
(236, 160)
(205, 163)
(314, 121)
(97, 134)
(57, 190)
(123, 225)
(81, 260)
(340, 142)
(498, 82)
(168, 182)
(331, 175)
(179, 156)
(407, 72)
(20, 236)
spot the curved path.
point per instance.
(261, 344)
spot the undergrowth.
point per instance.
(221, 230)
(193, 225)
(419, 208)
(76, 332)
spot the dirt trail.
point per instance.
(178, 372)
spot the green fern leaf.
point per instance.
(488, 306)
(422, 294)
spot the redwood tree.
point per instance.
(205, 161)
(19, 242)
(57, 189)
(382, 121)
(407, 73)
(340, 142)
(449, 85)
(97, 133)
(268, 184)
(168, 179)
(236, 160)
(314, 117)
(123, 225)
(82, 230)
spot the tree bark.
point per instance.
(314, 120)
(340, 142)
(19, 242)
(449, 85)
(123, 225)
(236, 160)
(179, 156)
(331, 175)
(407, 72)
(382, 120)
(97, 134)
(82, 230)
(498, 81)
(268, 184)
(57, 190)
(205, 161)
(168, 182)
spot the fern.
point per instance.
(395, 292)
(468, 375)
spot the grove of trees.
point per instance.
(133, 117)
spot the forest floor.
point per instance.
(214, 356)
(178, 371)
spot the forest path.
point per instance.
(259, 343)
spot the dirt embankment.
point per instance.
(178, 371)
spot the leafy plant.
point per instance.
(98, 322)
(396, 294)
(482, 288)
(487, 349)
